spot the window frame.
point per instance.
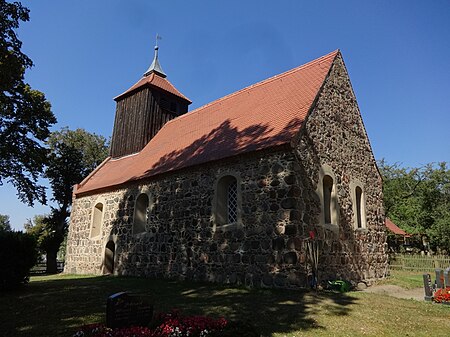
(324, 172)
(220, 192)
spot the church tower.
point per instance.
(143, 110)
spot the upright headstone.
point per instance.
(124, 310)
(446, 277)
(427, 287)
(439, 278)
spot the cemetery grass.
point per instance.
(406, 279)
(57, 305)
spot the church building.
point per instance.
(274, 185)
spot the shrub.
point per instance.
(18, 255)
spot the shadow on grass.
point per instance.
(57, 306)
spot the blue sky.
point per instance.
(397, 54)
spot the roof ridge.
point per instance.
(257, 84)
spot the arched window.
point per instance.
(140, 213)
(110, 249)
(359, 207)
(328, 195)
(227, 201)
(97, 218)
(327, 182)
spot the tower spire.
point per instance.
(155, 67)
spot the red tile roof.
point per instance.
(393, 228)
(263, 115)
(157, 81)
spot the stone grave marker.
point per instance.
(427, 287)
(439, 278)
(124, 310)
(446, 277)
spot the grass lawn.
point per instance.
(57, 305)
(407, 279)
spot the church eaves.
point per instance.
(267, 114)
(156, 81)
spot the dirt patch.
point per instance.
(396, 291)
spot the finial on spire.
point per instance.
(155, 67)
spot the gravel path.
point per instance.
(396, 291)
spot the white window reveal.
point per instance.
(97, 219)
(359, 205)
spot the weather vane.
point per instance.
(158, 37)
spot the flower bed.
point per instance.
(172, 324)
(442, 296)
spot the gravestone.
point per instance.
(125, 310)
(427, 287)
(446, 277)
(439, 278)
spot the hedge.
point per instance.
(18, 255)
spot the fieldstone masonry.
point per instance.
(279, 208)
(334, 134)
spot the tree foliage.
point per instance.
(25, 114)
(418, 200)
(5, 225)
(73, 155)
(37, 228)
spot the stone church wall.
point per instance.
(334, 136)
(180, 240)
(279, 208)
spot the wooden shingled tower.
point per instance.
(143, 110)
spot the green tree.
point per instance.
(434, 213)
(25, 115)
(418, 200)
(5, 226)
(37, 228)
(73, 155)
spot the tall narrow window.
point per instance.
(359, 200)
(227, 201)
(358, 204)
(97, 220)
(327, 195)
(140, 213)
(327, 190)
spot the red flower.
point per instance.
(442, 295)
(170, 324)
